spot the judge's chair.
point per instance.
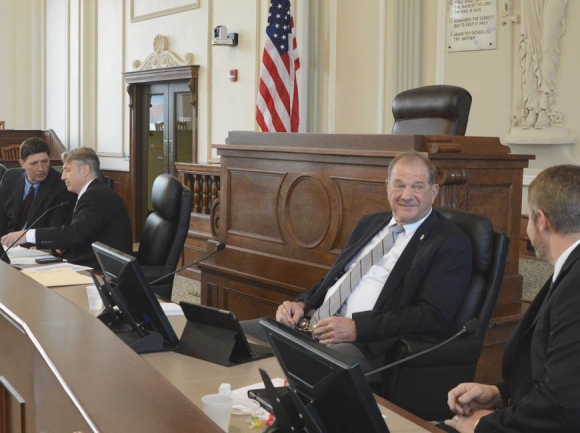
(421, 385)
(431, 110)
(165, 232)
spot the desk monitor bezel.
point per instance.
(334, 392)
(133, 294)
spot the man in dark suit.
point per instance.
(415, 287)
(99, 214)
(39, 180)
(541, 364)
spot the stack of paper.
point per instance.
(58, 277)
(24, 256)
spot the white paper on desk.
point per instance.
(26, 260)
(18, 251)
(171, 309)
(58, 277)
(277, 382)
(72, 266)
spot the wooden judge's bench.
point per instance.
(288, 203)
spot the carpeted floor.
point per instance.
(187, 290)
(535, 273)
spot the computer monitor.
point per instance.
(147, 328)
(325, 391)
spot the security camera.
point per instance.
(222, 37)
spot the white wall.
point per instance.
(64, 68)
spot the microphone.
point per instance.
(220, 247)
(469, 328)
(64, 205)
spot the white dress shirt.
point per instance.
(31, 234)
(365, 293)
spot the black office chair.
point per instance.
(109, 181)
(428, 110)
(165, 232)
(421, 385)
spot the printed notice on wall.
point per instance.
(471, 25)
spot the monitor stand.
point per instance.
(291, 413)
(120, 321)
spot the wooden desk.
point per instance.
(71, 374)
(195, 378)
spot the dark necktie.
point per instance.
(335, 301)
(26, 206)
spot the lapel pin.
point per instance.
(422, 237)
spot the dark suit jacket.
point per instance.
(423, 292)
(541, 363)
(100, 215)
(51, 192)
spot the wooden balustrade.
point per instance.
(204, 182)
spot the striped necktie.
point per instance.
(335, 301)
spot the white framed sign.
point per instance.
(146, 9)
(471, 25)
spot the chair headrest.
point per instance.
(480, 231)
(438, 109)
(166, 196)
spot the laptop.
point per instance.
(216, 336)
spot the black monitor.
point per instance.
(138, 319)
(3, 255)
(326, 393)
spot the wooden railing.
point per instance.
(204, 182)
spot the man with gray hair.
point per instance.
(99, 215)
(541, 387)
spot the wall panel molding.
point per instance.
(209, 78)
(408, 36)
(441, 25)
(332, 66)
(382, 67)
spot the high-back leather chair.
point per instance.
(421, 385)
(165, 231)
(431, 110)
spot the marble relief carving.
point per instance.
(543, 24)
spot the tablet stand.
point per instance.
(209, 343)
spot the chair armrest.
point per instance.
(461, 351)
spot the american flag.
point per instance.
(277, 107)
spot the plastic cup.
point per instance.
(219, 408)
(95, 301)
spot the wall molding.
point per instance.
(332, 46)
(382, 66)
(209, 78)
(408, 34)
(441, 26)
(258, 56)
